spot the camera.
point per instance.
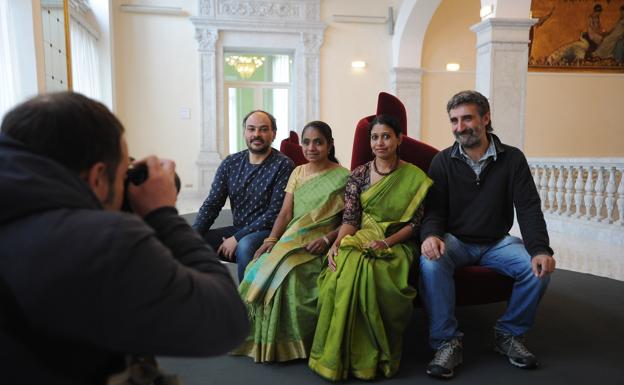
(136, 175)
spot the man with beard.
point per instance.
(254, 180)
(468, 214)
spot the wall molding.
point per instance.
(265, 25)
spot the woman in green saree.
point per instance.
(280, 284)
(365, 300)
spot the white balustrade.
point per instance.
(581, 188)
(589, 187)
(620, 199)
(610, 193)
(543, 187)
(559, 186)
(578, 189)
(583, 205)
(569, 184)
(552, 205)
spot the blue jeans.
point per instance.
(245, 249)
(508, 257)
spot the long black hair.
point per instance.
(386, 120)
(327, 133)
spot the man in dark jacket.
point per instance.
(83, 285)
(468, 214)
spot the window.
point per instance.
(85, 59)
(8, 67)
(255, 81)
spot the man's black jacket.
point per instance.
(481, 209)
(80, 286)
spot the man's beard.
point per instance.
(468, 139)
(259, 151)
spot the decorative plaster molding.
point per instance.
(311, 42)
(267, 9)
(259, 25)
(292, 25)
(312, 11)
(502, 31)
(258, 9)
(206, 8)
(207, 38)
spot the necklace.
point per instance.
(396, 163)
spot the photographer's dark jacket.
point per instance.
(80, 286)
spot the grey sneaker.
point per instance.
(446, 358)
(514, 348)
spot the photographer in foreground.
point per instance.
(83, 285)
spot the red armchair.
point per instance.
(474, 285)
(411, 150)
(291, 148)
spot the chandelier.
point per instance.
(245, 65)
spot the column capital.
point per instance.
(311, 42)
(406, 75)
(502, 30)
(407, 85)
(207, 38)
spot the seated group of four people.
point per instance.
(324, 255)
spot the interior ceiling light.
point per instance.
(358, 64)
(245, 65)
(452, 66)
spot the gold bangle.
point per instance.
(326, 240)
(270, 239)
(385, 243)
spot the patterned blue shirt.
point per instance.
(256, 192)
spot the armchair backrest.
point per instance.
(291, 148)
(410, 150)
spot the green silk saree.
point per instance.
(280, 287)
(364, 306)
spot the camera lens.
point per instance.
(136, 175)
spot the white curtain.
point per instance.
(85, 61)
(9, 70)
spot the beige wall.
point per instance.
(348, 95)
(156, 69)
(448, 40)
(574, 115)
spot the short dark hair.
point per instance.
(326, 131)
(69, 128)
(387, 120)
(271, 118)
(471, 97)
(597, 8)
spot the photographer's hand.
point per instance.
(158, 190)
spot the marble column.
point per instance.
(209, 158)
(308, 94)
(502, 62)
(407, 86)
